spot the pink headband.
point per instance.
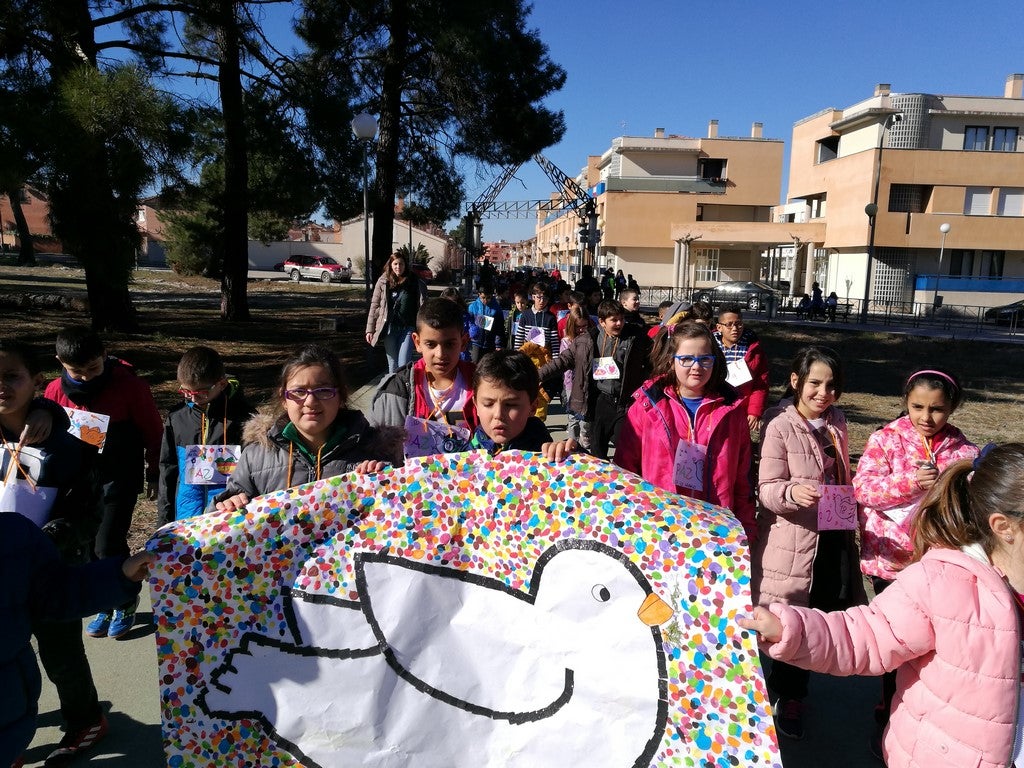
(940, 374)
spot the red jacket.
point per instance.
(135, 424)
(654, 425)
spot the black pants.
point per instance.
(117, 505)
(884, 707)
(608, 418)
(62, 654)
(828, 590)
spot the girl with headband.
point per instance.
(901, 461)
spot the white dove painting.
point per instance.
(461, 611)
(573, 669)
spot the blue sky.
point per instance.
(636, 66)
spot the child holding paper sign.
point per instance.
(686, 430)
(901, 461)
(804, 489)
(748, 365)
(203, 432)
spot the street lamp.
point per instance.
(944, 229)
(871, 210)
(364, 126)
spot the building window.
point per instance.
(978, 201)
(706, 265)
(1011, 202)
(992, 263)
(828, 148)
(908, 198)
(817, 206)
(1004, 139)
(976, 138)
(711, 169)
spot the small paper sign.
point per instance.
(89, 427)
(738, 373)
(34, 503)
(429, 438)
(537, 335)
(605, 368)
(210, 464)
(485, 321)
(837, 508)
(688, 469)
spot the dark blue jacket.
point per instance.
(38, 585)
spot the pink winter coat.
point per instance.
(949, 627)
(887, 478)
(787, 534)
(654, 425)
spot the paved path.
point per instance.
(838, 718)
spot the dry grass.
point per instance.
(178, 312)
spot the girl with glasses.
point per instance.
(309, 435)
(686, 430)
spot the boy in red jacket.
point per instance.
(747, 363)
(130, 452)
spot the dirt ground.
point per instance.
(178, 312)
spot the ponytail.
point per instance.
(956, 510)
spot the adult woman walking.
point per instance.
(396, 300)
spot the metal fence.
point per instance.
(949, 317)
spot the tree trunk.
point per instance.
(389, 137)
(26, 250)
(110, 306)
(234, 303)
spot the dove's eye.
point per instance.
(601, 593)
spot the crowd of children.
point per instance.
(936, 527)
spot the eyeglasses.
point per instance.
(688, 361)
(737, 324)
(320, 393)
(184, 392)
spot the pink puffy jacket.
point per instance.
(887, 478)
(654, 425)
(783, 561)
(949, 626)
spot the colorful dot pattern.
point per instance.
(221, 575)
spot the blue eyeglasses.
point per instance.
(320, 393)
(688, 361)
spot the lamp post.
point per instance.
(364, 126)
(871, 210)
(944, 229)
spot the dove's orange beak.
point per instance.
(654, 611)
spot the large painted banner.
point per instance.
(461, 612)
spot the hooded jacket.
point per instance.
(400, 394)
(187, 424)
(377, 319)
(657, 421)
(949, 627)
(887, 478)
(272, 460)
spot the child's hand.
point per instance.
(561, 450)
(754, 423)
(765, 623)
(136, 567)
(370, 465)
(369, 338)
(237, 501)
(38, 424)
(927, 474)
(805, 495)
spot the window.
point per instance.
(817, 206)
(908, 198)
(977, 201)
(1011, 202)
(961, 263)
(1004, 139)
(976, 138)
(828, 149)
(706, 265)
(992, 263)
(711, 169)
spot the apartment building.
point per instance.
(647, 187)
(944, 175)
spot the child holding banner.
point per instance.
(807, 554)
(686, 430)
(950, 623)
(202, 436)
(901, 461)
(309, 435)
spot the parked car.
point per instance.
(423, 272)
(322, 268)
(1008, 314)
(751, 294)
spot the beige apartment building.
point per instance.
(947, 176)
(647, 188)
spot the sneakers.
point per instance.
(76, 742)
(121, 623)
(99, 626)
(789, 718)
